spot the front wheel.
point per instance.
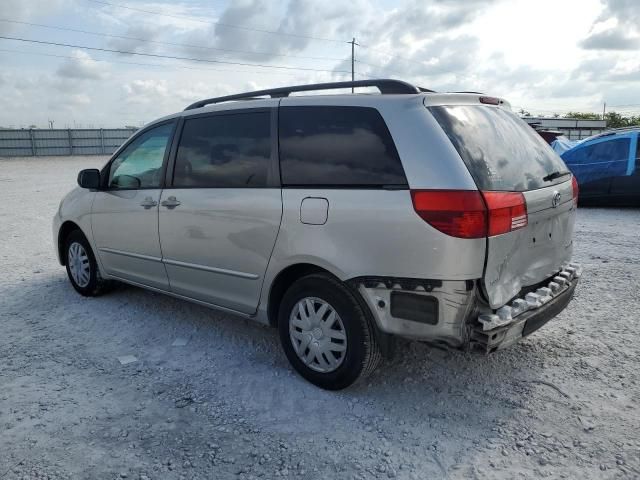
(82, 267)
(326, 334)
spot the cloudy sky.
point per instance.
(546, 56)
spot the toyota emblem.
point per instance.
(555, 201)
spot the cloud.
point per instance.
(78, 100)
(423, 42)
(440, 44)
(610, 40)
(597, 70)
(593, 69)
(20, 10)
(81, 67)
(294, 25)
(623, 33)
(145, 91)
(137, 37)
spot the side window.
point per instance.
(337, 146)
(139, 165)
(232, 151)
(576, 156)
(601, 152)
(609, 151)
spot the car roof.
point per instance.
(612, 133)
(390, 91)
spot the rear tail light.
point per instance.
(471, 214)
(459, 213)
(507, 211)
(576, 190)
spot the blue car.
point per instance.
(607, 167)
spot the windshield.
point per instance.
(500, 150)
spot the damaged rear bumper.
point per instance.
(525, 315)
(448, 312)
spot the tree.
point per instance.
(615, 120)
(582, 116)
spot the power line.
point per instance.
(191, 59)
(22, 52)
(126, 37)
(222, 24)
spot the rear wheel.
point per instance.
(82, 267)
(326, 334)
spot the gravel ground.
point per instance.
(561, 404)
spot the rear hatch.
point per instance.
(504, 154)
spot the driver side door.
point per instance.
(124, 216)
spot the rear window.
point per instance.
(337, 147)
(500, 150)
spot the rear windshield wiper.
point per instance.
(554, 175)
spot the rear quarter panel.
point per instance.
(371, 232)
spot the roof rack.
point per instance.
(386, 87)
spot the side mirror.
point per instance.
(89, 178)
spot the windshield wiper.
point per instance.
(554, 175)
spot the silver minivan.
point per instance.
(344, 220)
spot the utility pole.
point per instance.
(604, 109)
(353, 61)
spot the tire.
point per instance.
(344, 345)
(89, 282)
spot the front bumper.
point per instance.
(55, 231)
(524, 316)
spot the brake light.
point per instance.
(507, 211)
(459, 213)
(576, 190)
(490, 100)
(470, 213)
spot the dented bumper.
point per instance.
(524, 315)
(427, 310)
(448, 312)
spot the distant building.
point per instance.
(572, 128)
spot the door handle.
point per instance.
(148, 203)
(170, 202)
